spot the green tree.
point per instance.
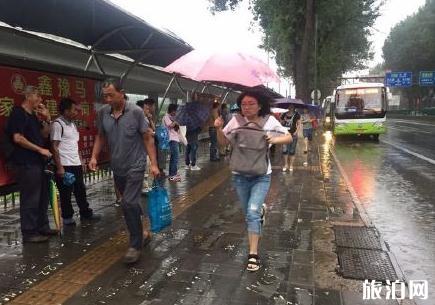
(289, 25)
(410, 46)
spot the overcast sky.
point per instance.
(192, 21)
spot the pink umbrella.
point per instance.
(236, 68)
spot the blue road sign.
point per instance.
(427, 78)
(398, 79)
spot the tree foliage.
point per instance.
(410, 45)
(343, 30)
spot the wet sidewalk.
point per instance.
(201, 259)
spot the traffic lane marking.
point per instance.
(410, 122)
(420, 156)
(407, 129)
(63, 284)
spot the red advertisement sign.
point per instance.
(52, 88)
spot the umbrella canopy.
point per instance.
(193, 114)
(278, 110)
(235, 68)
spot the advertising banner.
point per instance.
(52, 88)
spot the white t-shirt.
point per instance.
(272, 124)
(68, 146)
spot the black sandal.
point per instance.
(253, 263)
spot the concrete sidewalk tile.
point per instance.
(303, 257)
(327, 297)
(356, 298)
(301, 275)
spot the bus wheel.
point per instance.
(375, 137)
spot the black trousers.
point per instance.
(79, 190)
(33, 187)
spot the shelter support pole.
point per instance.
(166, 92)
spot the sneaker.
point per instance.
(305, 163)
(291, 168)
(69, 222)
(187, 167)
(284, 169)
(175, 178)
(35, 239)
(131, 256)
(145, 190)
(195, 168)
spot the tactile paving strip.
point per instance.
(357, 237)
(366, 264)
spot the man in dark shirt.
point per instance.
(29, 126)
(290, 120)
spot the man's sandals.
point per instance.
(253, 263)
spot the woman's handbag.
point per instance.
(159, 208)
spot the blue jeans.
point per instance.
(173, 161)
(252, 192)
(191, 149)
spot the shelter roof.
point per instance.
(98, 24)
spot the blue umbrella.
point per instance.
(193, 114)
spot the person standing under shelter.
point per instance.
(252, 189)
(173, 127)
(149, 108)
(64, 138)
(28, 127)
(290, 120)
(124, 127)
(214, 149)
(192, 136)
(307, 129)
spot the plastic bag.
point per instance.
(159, 208)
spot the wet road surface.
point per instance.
(395, 181)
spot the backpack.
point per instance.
(250, 150)
(61, 126)
(162, 136)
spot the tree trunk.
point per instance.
(302, 54)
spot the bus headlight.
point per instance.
(328, 119)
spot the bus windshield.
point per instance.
(360, 102)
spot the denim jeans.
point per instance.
(173, 161)
(252, 191)
(290, 149)
(130, 187)
(191, 153)
(214, 151)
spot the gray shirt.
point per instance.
(125, 138)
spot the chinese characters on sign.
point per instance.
(398, 79)
(372, 290)
(52, 88)
(427, 78)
